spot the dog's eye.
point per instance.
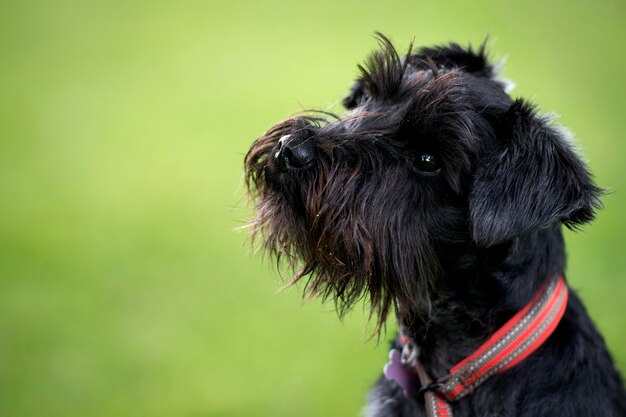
(427, 161)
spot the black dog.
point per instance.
(441, 199)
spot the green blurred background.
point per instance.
(124, 289)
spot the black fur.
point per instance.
(441, 199)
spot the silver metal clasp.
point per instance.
(409, 355)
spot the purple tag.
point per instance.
(394, 370)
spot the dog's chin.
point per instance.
(331, 267)
(328, 270)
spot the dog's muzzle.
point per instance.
(295, 151)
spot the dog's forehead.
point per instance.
(409, 79)
(382, 104)
(439, 84)
(392, 81)
(415, 77)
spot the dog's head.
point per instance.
(432, 161)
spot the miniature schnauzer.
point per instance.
(440, 199)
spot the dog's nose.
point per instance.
(295, 151)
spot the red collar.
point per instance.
(508, 346)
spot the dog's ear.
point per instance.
(355, 95)
(533, 179)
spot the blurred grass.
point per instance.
(123, 288)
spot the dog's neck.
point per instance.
(481, 290)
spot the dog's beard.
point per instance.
(348, 235)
